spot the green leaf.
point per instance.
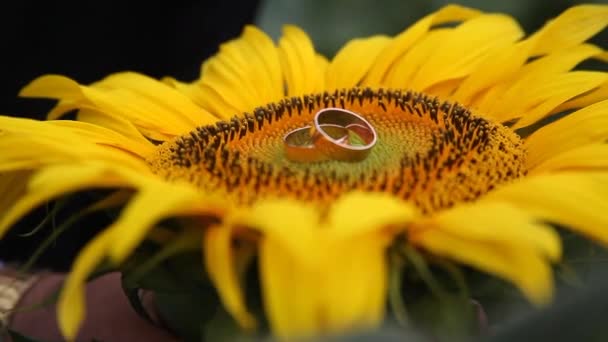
(132, 294)
(221, 327)
(421, 267)
(186, 313)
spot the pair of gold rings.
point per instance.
(336, 134)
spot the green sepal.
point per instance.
(173, 267)
(223, 327)
(132, 294)
(186, 313)
(395, 294)
(436, 296)
(50, 217)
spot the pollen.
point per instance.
(431, 152)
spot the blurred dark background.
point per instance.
(87, 40)
(331, 23)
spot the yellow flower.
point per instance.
(456, 169)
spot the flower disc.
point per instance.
(431, 152)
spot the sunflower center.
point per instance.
(430, 152)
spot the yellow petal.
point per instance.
(361, 213)
(155, 201)
(521, 265)
(217, 104)
(584, 100)
(272, 217)
(116, 124)
(170, 103)
(353, 61)
(107, 137)
(602, 57)
(510, 97)
(558, 62)
(311, 269)
(152, 118)
(54, 181)
(465, 47)
(572, 27)
(500, 224)
(37, 152)
(588, 157)
(71, 306)
(236, 79)
(13, 185)
(331, 296)
(322, 64)
(352, 299)
(407, 67)
(444, 89)
(585, 126)
(289, 288)
(542, 99)
(262, 46)
(217, 246)
(206, 97)
(500, 64)
(573, 199)
(299, 62)
(406, 39)
(29, 144)
(245, 74)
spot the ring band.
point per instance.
(330, 138)
(300, 147)
(340, 148)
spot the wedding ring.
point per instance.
(299, 145)
(341, 148)
(330, 138)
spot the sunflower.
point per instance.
(487, 138)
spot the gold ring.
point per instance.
(299, 145)
(337, 134)
(341, 147)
